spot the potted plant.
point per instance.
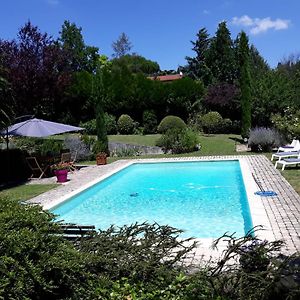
(61, 171)
(101, 155)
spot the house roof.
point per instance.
(166, 77)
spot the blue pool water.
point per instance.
(205, 199)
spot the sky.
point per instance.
(161, 30)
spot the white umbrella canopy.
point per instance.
(39, 128)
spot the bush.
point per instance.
(170, 123)
(149, 121)
(179, 141)
(39, 146)
(77, 147)
(89, 126)
(36, 263)
(289, 124)
(211, 122)
(125, 124)
(263, 139)
(110, 124)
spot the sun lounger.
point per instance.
(293, 147)
(281, 155)
(288, 162)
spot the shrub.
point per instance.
(264, 139)
(125, 124)
(77, 147)
(211, 122)
(110, 124)
(289, 124)
(171, 122)
(179, 141)
(36, 263)
(39, 146)
(89, 126)
(149, 121)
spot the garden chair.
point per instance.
(35, 167)
(67, 158)
(288, 162)
(294, 146)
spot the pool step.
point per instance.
(74, 232)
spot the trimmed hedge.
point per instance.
(170, 123)
(125, 124)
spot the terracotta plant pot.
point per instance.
(62, 175)
(101, 159)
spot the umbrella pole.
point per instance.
(7, 141)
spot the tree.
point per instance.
(220, 57)
(197, 67)
(6, 103)
(121, 46)
(245, 83)
(81, 57)
(138, 64)
(99, 97)
(36, 69)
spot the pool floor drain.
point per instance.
(134, 194)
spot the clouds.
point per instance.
(258, 25)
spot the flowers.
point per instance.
(61, 166)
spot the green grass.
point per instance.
(26, 191)
(146, 140)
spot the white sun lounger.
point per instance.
(294, 146)
(288, 162)
(281, 155)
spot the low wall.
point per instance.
(115, 148)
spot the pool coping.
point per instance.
(266, 211)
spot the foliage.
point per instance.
(142, 253)
(99, 100)
(110, 124)
(35, 60)
(197, 67)
(264, 139)
(149, 121)
(138, 64)
(125, 124)
(78, 147)
(60, 166)
(223, 98)
(121, 46)
(245, 83)
(211, 122)
(170, 122)
(89, 126)
(288, 124)
(6, 103)
(80, 56)
(36, 263)
(221, 56)
(179, 141)
(39, 146)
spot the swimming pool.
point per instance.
(204, 198)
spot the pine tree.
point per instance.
(197, 67)
(221, 58)
(245, 83)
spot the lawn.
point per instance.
(146, 140)
(26, 191)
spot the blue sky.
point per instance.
(161, 30)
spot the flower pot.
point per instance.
(101, 159)
(61, 175)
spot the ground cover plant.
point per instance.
(138, 261)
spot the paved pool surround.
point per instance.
(279, 215)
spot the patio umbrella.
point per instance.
(38, 128)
